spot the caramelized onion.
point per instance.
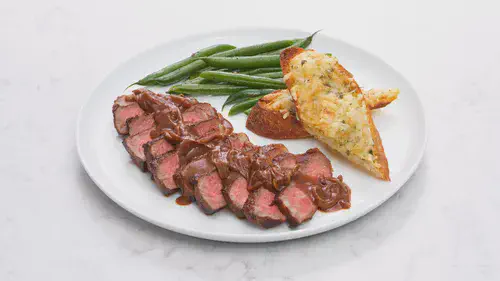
(332, 194)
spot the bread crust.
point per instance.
(286, 57)
(379, 150)
(274, 124)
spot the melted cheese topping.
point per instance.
(280, 100)
(331, 105)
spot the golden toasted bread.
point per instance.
(378, 98)
(333, 109)
(274, 117)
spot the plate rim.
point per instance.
(246, 238)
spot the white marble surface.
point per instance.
(55, 224)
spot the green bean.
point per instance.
(302, 43)
(243, 80)
(245, 94)
(197, 80)
(241, 107)
(307, 41)
(271, 74)
(206, 89)
(172, 67)
(198, 65)
(257, 49)
(243, 62)
(243, 51)
(261, 70)
(247, 112)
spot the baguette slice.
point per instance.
(333, 109)
(274, 115)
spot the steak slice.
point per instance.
(125, 100)
(312, 165)
(198, 113)
(135, 147)
(261, 174)
(238, 141)
(261, 210)
(273, 150)
(181, 101)
(208, 193)
(228, 127)
(207, 130)
(190, 149)
(187, 175)
(163, 170)
(296, 203)
(122, 112)
(236, 193)
(140, 123)
(151, 102)
(284, 166)
(168, 125)
(222, 148)
(156, 148)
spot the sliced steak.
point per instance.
(332, 194)
(312, 165)
(261, 171)
(125, 100)
(169, 124)
(218, 156)
(156, 148)
(140, 123)
(208, 193)
(181, 101)
(273, 150)
(122, 112)
(221, 149)
(198, 113)
(238, 141)
(228, 127)
(135, 147)
(296, 203)
(189, 145)
(186, 175)
(240, 161)
(284, 166)
(236, 193)
(261, 210)
(163, 170)
(190, 149)
(207, 130)
(151, 102)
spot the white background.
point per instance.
(55, 224)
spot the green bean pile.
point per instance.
(243, 74)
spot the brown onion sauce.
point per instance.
(329, 195)
(183, 200)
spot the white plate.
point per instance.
(401, 126)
